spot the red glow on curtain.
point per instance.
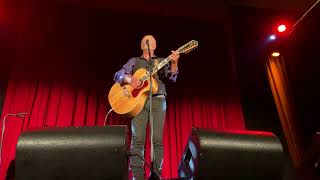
(63, 104)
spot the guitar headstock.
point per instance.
(191, 45)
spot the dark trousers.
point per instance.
(138, 128)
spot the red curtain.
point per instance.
(53, 103)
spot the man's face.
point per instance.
(152, 42)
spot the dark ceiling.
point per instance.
(276, 4)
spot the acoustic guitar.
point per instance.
(127, 101)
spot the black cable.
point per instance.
(148, 165)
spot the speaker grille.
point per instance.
(73, 153)
(213, 154)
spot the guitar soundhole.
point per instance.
(135, 92)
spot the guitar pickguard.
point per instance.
(135, 92)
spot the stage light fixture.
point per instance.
(272, 37)
(275, 54)
(282, 28)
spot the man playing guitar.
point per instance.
(139, 123)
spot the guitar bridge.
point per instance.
(125, 92)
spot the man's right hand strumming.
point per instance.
(134, 82)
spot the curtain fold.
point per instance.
(279, 84)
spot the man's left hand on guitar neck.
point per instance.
(174, 61)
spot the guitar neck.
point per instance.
(160, 65)
(157, 68)
(183, 49)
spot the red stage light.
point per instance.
(282, 28)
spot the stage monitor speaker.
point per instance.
(229, 155)
(98, 153)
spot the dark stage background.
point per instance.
(251, 27)
(60, 60)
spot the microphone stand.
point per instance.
(21, 115)
(153, 174)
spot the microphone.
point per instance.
(19, 114)
(147, 43)
(148, 47)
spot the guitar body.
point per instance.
(127, 101)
